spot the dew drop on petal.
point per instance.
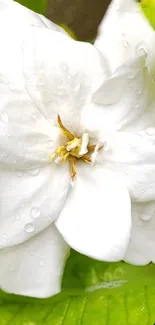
(42, 262)
(3, 117)
(139, 91)
(50, 142)
(29, 227)
(142, 51)
(35, 213)
(145, 217)
(131, 75)
(136, 105)
(34, 172)
(150, 131)
(19, 173)
(105, 146)
(126, 44)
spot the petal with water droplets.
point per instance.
(133, 155)
(34, 202)
(125, 101)
(119, 40)
(34, 268)
(141, 249)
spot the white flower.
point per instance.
(125, 32)
(64, 120)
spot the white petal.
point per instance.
(52, 25)
(96, 218)
(30, 201)
(18, 15)
(14, 15)
(141, 248)
(126, 101)
(34, 268)
(26, 137)
(118, 38)
(133, 155)
(61, 74)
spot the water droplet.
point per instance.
(34, 172)
(150, 131)
(35, 213)
(5, 236)
(50, 142)
(131, 75)
(139, 91)
(126, 44)
(105, 146)
(17, 217)
(145, 217)
(19, 173)
(3, 117)
(136, 105)
(29, 227)
(142, 51)
(42, 262)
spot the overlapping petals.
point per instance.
(141, 250)
(36, 198)
(124, 102)
(124, 34)
(89, 222)
(34, 268)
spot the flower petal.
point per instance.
(133, 155)
(61, 74)
(141, 250)
(14, 15)
(35, 267)
(119, 40)
(96, 218)
(126, 101)
(26, 137)
(30, 201)
(49, 24)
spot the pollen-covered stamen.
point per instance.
(75, 148)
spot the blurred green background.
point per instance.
(82, 16)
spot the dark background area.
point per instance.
(82, 16)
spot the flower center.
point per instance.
(75, 148)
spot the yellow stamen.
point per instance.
(75, 148)
(66, 133)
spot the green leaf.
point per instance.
(36, 5)
(148, 7)
(94, 293)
